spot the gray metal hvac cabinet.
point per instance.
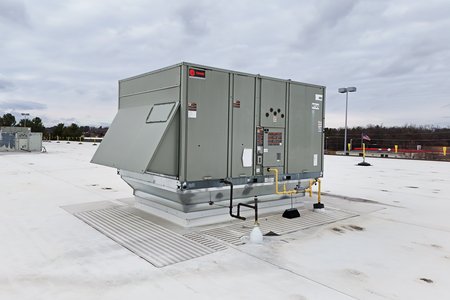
(20, 139)
(181, 129)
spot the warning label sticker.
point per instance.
(192, 110)
(319, 97)
(315, 106)
(192, 114)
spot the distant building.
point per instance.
(20, 139)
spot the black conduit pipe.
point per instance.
(231, 199)
(254, 207)
(238, 216)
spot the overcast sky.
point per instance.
(61, 60)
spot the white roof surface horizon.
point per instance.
(398, 247)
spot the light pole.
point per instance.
(25, 115)
(346, 91)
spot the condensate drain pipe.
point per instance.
(238, 216)
(231, 199)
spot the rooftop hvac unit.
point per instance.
(184, 133)
(20, 139)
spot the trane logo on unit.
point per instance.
(197, 73)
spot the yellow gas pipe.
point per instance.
(284, 192)
(290, 192)
(318, 190)
(309, 189)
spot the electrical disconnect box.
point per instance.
(182, 130)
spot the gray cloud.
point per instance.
(322, 22)
(21, 105)
(193, 19)
(5, 84)
(13, 12)
(71, 53)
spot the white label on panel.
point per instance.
(266, 150)
(247, 157)
(269, 179)
(315, 106)
(192, 114)
(315, 159)
(319, 97)
(319, 126)
(274, 119)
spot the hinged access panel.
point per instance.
(134, 136)
(207, 125)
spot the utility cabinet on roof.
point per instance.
(181, 129)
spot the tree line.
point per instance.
(61, 131)
(406, 137)
(35, 124)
